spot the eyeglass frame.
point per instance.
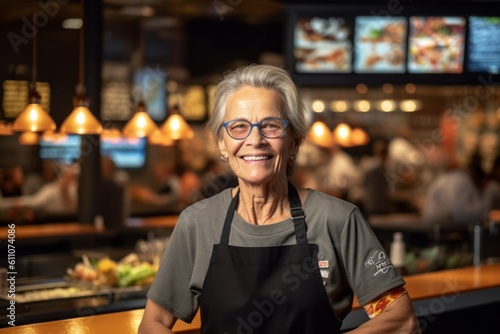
(258, 125)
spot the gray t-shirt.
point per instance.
(351, 258)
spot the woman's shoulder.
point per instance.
(321, 202)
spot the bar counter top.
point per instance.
(441, 285)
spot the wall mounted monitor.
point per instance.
(380, 44)
(66, 150)
(150, 84)
(436, 44)
(322, 44)
(125, 153)
(484, 44)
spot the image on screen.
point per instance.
(436, 44)
(322, 45)
(150, 84)
(66, 149)
(125, 153)
(380, 44)
(484, 44)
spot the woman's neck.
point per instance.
(264, 204)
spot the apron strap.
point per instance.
(296, 211)
(224, 238)
(298, 215)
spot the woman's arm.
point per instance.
(156, 320)
(398, 317)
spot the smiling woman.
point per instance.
(251, 257)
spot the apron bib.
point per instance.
(272, 290)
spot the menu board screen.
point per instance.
(322, 45)
(150, 85)
(484, 44)
(436, 44)
(380, 44)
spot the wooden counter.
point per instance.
(71, 229)
(442, 284)
(119, 322)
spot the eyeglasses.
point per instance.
(269, 128)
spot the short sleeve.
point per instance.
(171, 286)
(367, 265)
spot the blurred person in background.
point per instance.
(456, 196)
(58, 197)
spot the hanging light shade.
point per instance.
(319, 134)
(33, 118)
(175, 127)
(81, 120)
(6, 129)
(359, 137)
(158, 138)
(29, 138)
(342, 135)
(140, 125)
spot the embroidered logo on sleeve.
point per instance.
(380, 262)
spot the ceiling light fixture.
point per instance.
(34, 118)
(81, 120)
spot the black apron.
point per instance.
(272, 290)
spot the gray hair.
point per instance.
(261, 76)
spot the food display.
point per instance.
(380, 44)
(105, 272)
(322, 45)
(436, 44)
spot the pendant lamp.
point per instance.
(342, 134)
(81, 120)
(6, 129)
(140, 125)
(319, 134)
(175, 127)
(34, 117)
(158, 138)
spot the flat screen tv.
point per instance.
(380, 44)
(484, 44)
(150, 85)
(436, 44)
(125, 153)
(66, 149)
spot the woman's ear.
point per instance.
(222, 148)
(295, 147)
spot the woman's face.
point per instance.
(256, 159)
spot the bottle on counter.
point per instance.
(398, 253)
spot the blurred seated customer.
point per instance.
(456, 196)
(377, 190)
(55, 198)
(12, 180)
(35, 180)
(163, 196)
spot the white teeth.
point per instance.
(262, 157)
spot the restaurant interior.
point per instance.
(122, 93)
